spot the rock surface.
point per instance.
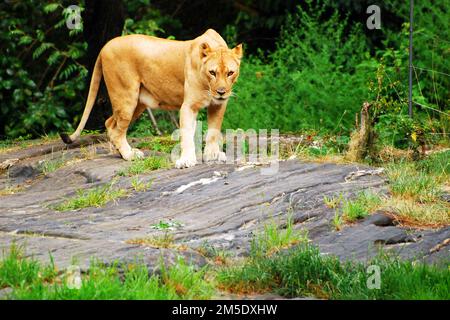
(218, 204)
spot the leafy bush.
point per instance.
(40, 76)
(314, 80)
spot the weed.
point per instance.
(364, 203)
(332, 202)
(166, 225)
(337, 221)
(50, 165)
(140, 186)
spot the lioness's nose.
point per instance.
(221, 91)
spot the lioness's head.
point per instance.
(221, 68)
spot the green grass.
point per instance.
(17, 270)
(51, 165)
(407, 182)
(416, 189)
(437, 164)
(273, 239)
(166, 225)
(139, 185)
(360, 207)
(214, 254)
(337, 221)
(332, 202)
(304, 271)
(161, 144)
(140, 166)
(30, 279)
(95, 197)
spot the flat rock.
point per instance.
(222, 205)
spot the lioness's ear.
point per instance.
(205, 49)
(238, 51)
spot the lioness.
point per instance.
(146, 72)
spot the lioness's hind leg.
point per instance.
(117, 125)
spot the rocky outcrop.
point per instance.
(221, 205)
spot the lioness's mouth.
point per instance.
(221, 98)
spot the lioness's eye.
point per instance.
(213, 73)
(230, 73)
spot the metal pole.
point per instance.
(411, 14)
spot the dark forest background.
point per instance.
(309, 65)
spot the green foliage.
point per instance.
(274, 238)
(40, 75)
(324, 66)
(50, 165)
(364, 203)
(409, 182)
(304, 271)
(314, 80)
(139, 185)
(95, 197)
(16, 270)
(145, 165)
(166, 225)
(163, 144)
(437, 164)
(32, 280)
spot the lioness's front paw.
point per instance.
(214, 154)
(185, 162)
(133, 155)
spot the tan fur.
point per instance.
(142, 71)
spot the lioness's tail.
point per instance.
(93, 90)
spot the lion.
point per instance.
(147, 72)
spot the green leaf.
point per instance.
(25, 40)
(53, 58)
(41, 49)
(51, 7)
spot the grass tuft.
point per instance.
(138, 185)
(273, 239)
(365, 203)
(145, 165)
(96, 197)
(408, 183)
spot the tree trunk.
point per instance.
(103, 20)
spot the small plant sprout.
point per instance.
(139, 185)
(332, 202)
(166, 225)
(337, 221)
